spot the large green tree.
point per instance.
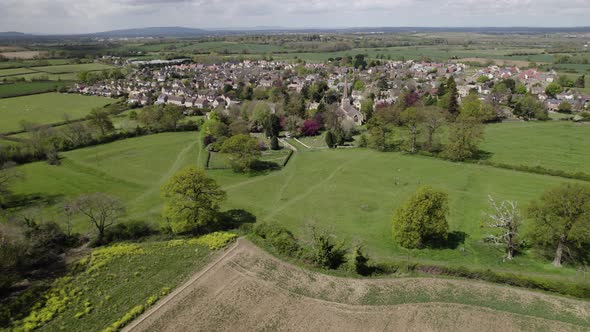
(192, 200)
(560, 219)
(474, 108)
(99, 119)
(422, 218)
(244, 150)
(464, 138)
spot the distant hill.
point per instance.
(153, 32)
(13, 34)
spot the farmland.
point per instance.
(46, 109)
(27, 88)
(111, 281)
(251, 290)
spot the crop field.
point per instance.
(250, 290)
(132, 169)
(556, 145)
(46, 109)
(112, 282)
(21, 54)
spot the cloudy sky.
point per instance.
(81, 16)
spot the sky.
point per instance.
(83, 16)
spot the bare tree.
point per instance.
(505, 218)
(102, 210)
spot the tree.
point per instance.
(553, 89)
(99, 118)
(412, 117)
(473, 108)
(450, 100)
(272, 127)
(565, 107)
(310, 128)
(330, 139)
(434, 118)
(463, 141)
(192, 200)
(560, 219)
(8, 175)
(422, 218)
(358, 261)
(367, 108)
(580, 82)
(102, 210)
(505, 220)
(529, 108)
(274, 143)
(243, 150)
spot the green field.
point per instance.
(132, 169)
(559, 145)
(15, 71)
(27, 88)
(61, 69)
(354, 192)
(46, 109)
(350, 191)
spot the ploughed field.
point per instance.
(248, 289)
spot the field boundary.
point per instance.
(180, 289)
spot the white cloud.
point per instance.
(84, 16)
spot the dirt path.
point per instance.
(246, 289)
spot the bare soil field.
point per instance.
(21, 54)
(247, 289)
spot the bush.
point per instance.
(215, 240)
(325, 252)
(132, 230)
(358, 261)
(278, 237)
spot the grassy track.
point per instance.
(46, 109)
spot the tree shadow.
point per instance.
(261, 167)
(453, 240)
(483, 155)
(233, 219)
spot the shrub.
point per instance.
(132, 230)
(310, 128)
(278, 237)
(325, 252)
(357, 261)
(215, 240)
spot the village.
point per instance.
(200, 87)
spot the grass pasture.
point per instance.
(76, 68)
(559, 145)
(133, 170)
(46, 109)
(27, 88)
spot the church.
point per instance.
(348, 111)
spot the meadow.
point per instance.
(132, 169)
(27, 88)
(46, 108)
(559, 145)
(352, 192)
